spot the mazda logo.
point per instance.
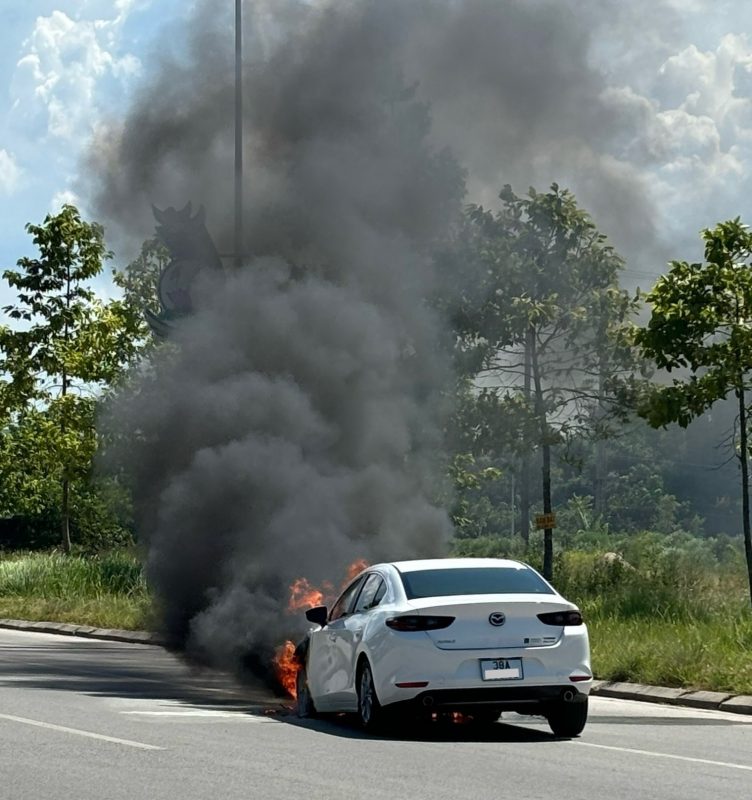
(497, 618)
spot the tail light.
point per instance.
(561, 618)
(415, 622)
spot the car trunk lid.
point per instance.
(486, 622)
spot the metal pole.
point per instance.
(238, 248)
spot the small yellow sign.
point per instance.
(544, 521)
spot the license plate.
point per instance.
(501, 669)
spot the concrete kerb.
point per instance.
(85, 631)
(714, 701)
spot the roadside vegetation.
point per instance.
(107, 591)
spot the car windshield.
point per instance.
(472, 580)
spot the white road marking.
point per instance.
(241, 716)
(707, 761)
(180, 709)
(77, 732)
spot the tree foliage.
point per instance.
(67, 346)
(700, 323)
(540, 320)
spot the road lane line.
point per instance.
(77, 732)
(240, 716)
(665, 755)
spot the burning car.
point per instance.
(464, 635)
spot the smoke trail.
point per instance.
(296, 425)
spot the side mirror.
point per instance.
(317, 615)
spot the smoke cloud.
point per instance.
(297, 423)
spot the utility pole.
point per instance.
(238, 239)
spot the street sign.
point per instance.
(544, 521)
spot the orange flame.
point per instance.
(303, 595)
(355, 569)
(286, 668)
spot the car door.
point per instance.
(328, 669)
(348, 642)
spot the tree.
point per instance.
(701, 322)
(540, 325)
(139, 282)
(67, 347)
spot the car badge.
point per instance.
(498, 618)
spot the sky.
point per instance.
(678, 73)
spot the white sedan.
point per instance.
(469, 635)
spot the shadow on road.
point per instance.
(346, 726)
(126, 671)
(510, 729)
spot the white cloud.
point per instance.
(64, 197)
(689, 135)
(65, 63)
(10, 173)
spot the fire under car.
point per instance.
(444, 636)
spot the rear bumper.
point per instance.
(525, 699)
(547, 671)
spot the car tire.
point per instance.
(370, 712)
(305, 706)
(567, 720)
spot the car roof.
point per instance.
(452, 563)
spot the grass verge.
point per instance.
(697, 654)
(106, 591)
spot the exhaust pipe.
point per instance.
(428, 701)
(567, 696)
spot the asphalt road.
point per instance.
(92, 720)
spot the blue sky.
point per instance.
(66, 66)
(69, 66)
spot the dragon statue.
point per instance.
(192, 253)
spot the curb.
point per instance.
(691, 698)
(86, 631)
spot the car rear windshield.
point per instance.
(472, 580)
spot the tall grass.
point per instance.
(107, 591)
(672, 622)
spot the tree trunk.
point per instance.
(525, 498)
(65, 524)
(599, 488)
(744, 461)
(540, 413)
(525, 465)
(65, 505)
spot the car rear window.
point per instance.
(472, 580)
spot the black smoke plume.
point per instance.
(296, 423)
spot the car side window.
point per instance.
(344, 604)
(373, 590)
